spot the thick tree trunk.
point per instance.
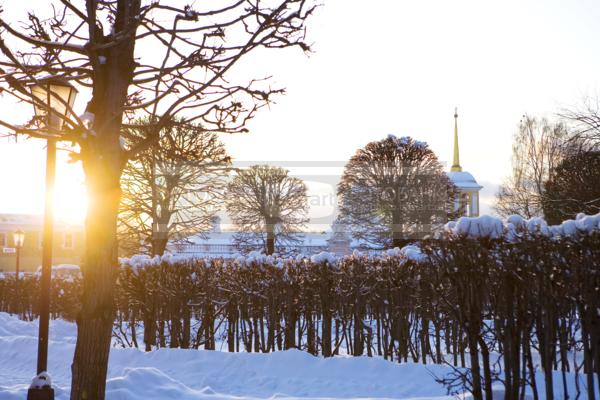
(103, 163)
(95, 321)
(159, 246)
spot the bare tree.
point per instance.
(573, 188)
(584, 120)
(172, 190)
(137, 58)
(267, 205)
(538, 147)
(394, 190)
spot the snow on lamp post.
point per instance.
(53, 100)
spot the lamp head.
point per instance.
(58, 95)
(19, 238)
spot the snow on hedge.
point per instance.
(515, 226)
(485, 226)
(324, 257)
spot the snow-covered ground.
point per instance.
(191, 374)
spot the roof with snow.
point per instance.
(464, 180)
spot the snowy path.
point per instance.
(190, 374)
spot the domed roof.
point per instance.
(463, 180)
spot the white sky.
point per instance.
(389, 66)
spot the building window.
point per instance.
(468, 210)
(3, 239)
(68, 242)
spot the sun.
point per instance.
(70, 196)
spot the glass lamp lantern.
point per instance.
(50, 91)
(19, 238)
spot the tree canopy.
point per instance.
(538, 147)
(573, 188)
(393, 191)
(173, 190)
(267, 205)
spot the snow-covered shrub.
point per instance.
(465, 294)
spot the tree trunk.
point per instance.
(186, 334)
(95, 320)
(149, 330)
(159, 245)
(475, 370)
(398, 239)
(133, 330)
(162, 342)
(271, 322)
(175, 330)
(311, 342)
(231, 329)
(358, 333)
(255, 328)
(487, 372)
(424, 339)
(270, 237)
(103, 164)
(326, 334)
(160, 232)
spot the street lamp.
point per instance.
(55, 98)
(18, 239)
(55, 94)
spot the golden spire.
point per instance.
(456, 164)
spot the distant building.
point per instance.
(68, 243)
(468, 189)
(219, 243)
(340, 241)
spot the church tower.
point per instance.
(467, 199)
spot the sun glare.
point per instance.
(70, 196)
(70, 203)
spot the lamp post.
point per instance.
(18, 239)
(55, 98)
